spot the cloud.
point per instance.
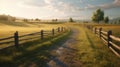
(114, 4)
(35, 3)
(81, 1)
(54, 3)
(117, 2)
(65, 8)
(48, 1)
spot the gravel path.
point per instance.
(65, 55)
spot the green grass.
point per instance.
(115, 29)
(34, 53)
(106, 27)
(9, 28)
(92, 52)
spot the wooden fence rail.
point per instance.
(16, 39)
(107, 37)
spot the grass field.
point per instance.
(106, 27)
(115, 29)
(33, 53)
(91, 51)
(9, 28)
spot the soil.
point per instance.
(65, 55)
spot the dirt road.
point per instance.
(65, 55)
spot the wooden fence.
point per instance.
(16, 40)
(107, 37)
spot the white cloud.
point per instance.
(117, 2)
(34, 3)
(48, 1)
(50, 8)
(81, 1)
(114, 4)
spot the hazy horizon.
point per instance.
(60, 9)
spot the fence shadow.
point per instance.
(35, 53)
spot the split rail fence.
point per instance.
(110, 40)
(17, 39)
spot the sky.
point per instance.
(60, 9)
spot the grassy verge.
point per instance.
(34, 54)
(92, 52)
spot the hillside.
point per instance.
(8, 28)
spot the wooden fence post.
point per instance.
(95, 30)
(109, 38)
(53, 32)
(61, 29)
(16, 39)
(42, 36)
(58, 29)
(100, 29)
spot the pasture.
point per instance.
(106, 27)
(39, 49)
(9, 28)
(114, 28)
(90, 50)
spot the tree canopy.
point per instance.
(71, 20)
(98, 15)
(106, 19)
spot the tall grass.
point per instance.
(8, 28)
(92, 52)
(35, 53)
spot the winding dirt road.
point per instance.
(65, 54)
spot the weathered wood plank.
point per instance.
(115, 38)
(116, 46)
(104, 36)
(116, 53)
(1, 39)
(104, 32)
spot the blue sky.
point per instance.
(61, 9)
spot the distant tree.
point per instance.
(54, 20)
(25, 20)
(71, 20)
(98, 15)
(37, 19)
(3, 17)
(7, 18)
(119, 21)
(11, 19)
(106, 19)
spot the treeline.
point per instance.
(98, 16)
(115, 21)
(7, 18)
(13, 19)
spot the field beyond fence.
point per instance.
(110, 40)
(16, 40)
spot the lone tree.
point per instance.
(54, 20)
(106, 19)
(71, 20)
(98, 15)
(25, 20)
(37, 19)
